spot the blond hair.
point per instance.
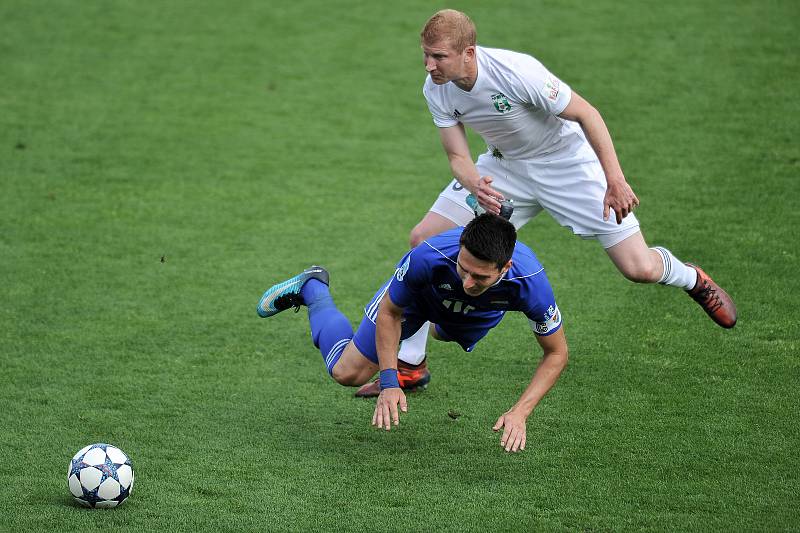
(452, 26)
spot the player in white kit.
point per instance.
(548, 149)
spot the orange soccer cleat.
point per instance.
(411, 377)
(713, 299)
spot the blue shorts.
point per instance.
(467, 337)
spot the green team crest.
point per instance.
(501, 102)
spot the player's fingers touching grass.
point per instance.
(392, 416)
(499, 423)
(377, 416)
(386, 410)
(516, 439)
(507, 440)
(514, 432)
(381, 418)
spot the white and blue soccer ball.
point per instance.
(100, 475)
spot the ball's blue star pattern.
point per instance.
(90, 496)
(123, 494)
(75, 467)
(108, 469)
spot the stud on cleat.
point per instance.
(287, 293)
(713, 299)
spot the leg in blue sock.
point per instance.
(331, 332)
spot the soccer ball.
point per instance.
(100, 475)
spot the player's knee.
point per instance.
(346, 376)
(641, 272)
(341, 375)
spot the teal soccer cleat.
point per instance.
(286, 294)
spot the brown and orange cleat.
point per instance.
(412, 378)
(713, 299)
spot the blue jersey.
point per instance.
(426, 285)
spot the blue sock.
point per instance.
(313, 289)
(330, 329)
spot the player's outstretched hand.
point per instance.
(514, 432)
(488, 198)
(619, 198)
(386, 408)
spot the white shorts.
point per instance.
(571, 190)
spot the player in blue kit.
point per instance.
(463, 281)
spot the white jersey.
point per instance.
(512, 106)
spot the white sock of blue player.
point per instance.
(330, 329)
(412, 350)
(676, 273)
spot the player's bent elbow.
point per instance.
(556, 360)
(560, 356)
(417, 235)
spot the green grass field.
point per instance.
(162, 163)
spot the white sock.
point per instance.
(412, 350)
(676, 273)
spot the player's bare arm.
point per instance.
(387, 336)
(550, 367)
(619, 196)
(454, 142)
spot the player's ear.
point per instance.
(469, 53)
(507, 266)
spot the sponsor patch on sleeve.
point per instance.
(552, 86)
(401, 272)
(552, 321)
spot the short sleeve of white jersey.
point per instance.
(441, 117)
(542, 89)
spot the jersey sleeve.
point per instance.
(541, 88)
(409, 279)
(546, 323)
(441, 117)
(539, 305)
